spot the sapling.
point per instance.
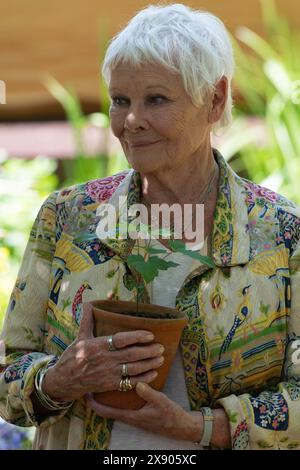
(147, 266)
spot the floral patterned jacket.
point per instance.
(239, 348)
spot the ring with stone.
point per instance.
(110, 343)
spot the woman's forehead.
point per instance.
(147, 75)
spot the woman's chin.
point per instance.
(142, 166)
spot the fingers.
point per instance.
(127, 338)
(115, 380)
(108, 411)
(138, 353)
(140, 367)
(103, 367)
(123, 349)
(87, 322)
(147, 377)
(135, 417)
(143, 371)
(148, 393)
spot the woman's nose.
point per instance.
(135, 118)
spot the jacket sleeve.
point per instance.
(271, 420)
(22, 337)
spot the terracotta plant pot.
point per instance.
(165, 323)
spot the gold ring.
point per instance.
(128, 384)
(125, 385)
(110, 343)
(124, 370)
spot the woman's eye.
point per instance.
(157, 99)
(122, 101)
(119, 100)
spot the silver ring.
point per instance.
(110, 343)
(124, 370)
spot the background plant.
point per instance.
(24, 184)
(14, 437)
(84, 167)
(263, 143)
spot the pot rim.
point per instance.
(179, 314)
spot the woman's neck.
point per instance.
(199, 186)
(185, 185)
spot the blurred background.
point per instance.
(54, 127)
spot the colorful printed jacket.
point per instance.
(239, 348)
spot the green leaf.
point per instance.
(279, 77)
(153, 251)
(139, 264)
(203, 259)
(149, 269)
(135, 260)
(129, 281)
(262, 48)
(161, 263)
(179, 246)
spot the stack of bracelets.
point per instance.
(43, 398)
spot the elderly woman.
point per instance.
(235, 382)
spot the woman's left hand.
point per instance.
(159, 415)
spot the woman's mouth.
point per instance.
(143, 144)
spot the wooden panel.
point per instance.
(61, 38)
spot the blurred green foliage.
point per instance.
(84, 166)
(24, 184)
(267, 78)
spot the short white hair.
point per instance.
(190, 42)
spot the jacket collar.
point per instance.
(230, 235)
(230, 240)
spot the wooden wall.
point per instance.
(62, 38)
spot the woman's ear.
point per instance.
(219, 99)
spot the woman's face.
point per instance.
(154, 118)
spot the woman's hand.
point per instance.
(159, 415)
(87, 365)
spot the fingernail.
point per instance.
(141, 386)
(161, 359)
(149, 337)
(161, 349)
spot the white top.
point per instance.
(164, 290)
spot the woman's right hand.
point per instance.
(87, 365)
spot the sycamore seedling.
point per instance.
(148, 265)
